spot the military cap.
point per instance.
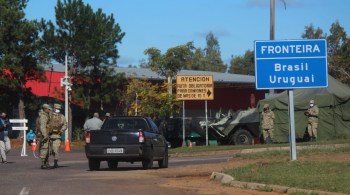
(57, 106)
(108, 114)
(312, 101)
(46, 106)
(266, 106)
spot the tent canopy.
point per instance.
(334, 105)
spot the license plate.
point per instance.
(115, 150)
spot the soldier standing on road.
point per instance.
(5, 142)
(268, 118)
(56, 127)
(43, 134)
(312, 114)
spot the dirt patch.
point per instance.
(196, 178)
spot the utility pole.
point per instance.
(272, 29)
(65, 81)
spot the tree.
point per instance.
(338, 53)
(90, 39)
(243, 64)
(147, 99)
(213, 61)
(338, 50)
(312, 33)
(18, 52)
(168, 64)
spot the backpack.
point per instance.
(55, 123)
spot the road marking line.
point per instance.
(24, 191)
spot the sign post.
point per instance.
(291, 64)
(21, 128)
(195, 87)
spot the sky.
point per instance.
(236, 24)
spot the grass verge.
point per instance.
(316, 175)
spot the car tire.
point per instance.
(112, 164)
(94, 164)
(148, 162)
(242, 137)
(164, 162)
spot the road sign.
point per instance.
(20, 128)
(291, 64)
(194, 87)
(18, 120)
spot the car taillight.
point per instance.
(87, 137)
(141, 137)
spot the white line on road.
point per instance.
(24, 191)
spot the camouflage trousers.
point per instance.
(268, 134)
(56, 143)
(47, 148)
(312, 129)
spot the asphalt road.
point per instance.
(22, 175)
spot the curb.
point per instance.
(228, 180)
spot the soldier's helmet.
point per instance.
(266, 106)
(312, 101)
(46, 106)
(57, 106)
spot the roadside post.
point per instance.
(23, 128)
(291, 64)
(195, 87)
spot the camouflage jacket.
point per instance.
(42, 122)
(313, 113)
(57, 125)
(268, 118)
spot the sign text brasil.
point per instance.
(291, 64)
(194, 87)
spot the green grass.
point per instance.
(326, 176)
(279, 170)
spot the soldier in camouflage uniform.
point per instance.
(268, 118)
(56, 126)
(43, 134)
(312, 114)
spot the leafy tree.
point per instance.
(338, 50)
(213, 55)
(90, 38)
(168, 64)
(243, 64)
(18, 53)
(312, 33)
(148, 99)
(338, 53)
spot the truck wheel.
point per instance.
(242, 137)
(164, 162)
(148, 162)
(112, 164)
(94, 164)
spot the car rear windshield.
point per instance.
(125, 124)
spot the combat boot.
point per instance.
(43, 164)
(55, 165)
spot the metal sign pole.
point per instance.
(206, 122)
(293, 153)
(183, 124)
(66, 103)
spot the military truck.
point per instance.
(238, 128)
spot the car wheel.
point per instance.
(94, 164)
(164, 162)
(242, 137)
(148, 162)
(112, 164)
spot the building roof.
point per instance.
(218, 77)
(151, 75)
